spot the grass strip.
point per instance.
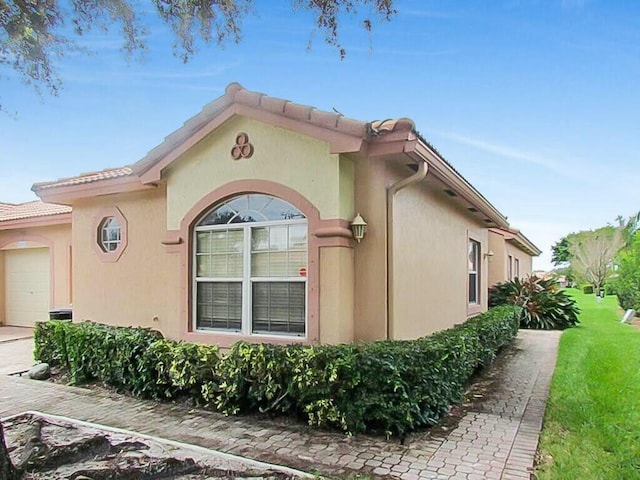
(592, 421)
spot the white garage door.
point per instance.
(27, 293)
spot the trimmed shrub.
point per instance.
(50, 343)
(587, 289)
(544, 305)
(390, 387)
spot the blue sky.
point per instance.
(535, 102)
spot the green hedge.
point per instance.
(390, 387)
(587, 289)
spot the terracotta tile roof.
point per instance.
(335, 121)
(242, 100)
(92, 177)
(237, 94)
(36, 208)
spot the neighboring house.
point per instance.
(512, 255)
(237, 227)
(35, 261)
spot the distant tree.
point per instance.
(35, 32)
(593, 252)
(560, 253)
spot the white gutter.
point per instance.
(420, 174)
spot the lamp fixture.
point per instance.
(358, 227)
(489, 255)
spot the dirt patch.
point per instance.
(51, 448)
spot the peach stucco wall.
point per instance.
(525, 259)
(370, 255)
(58, 239)
(430, 256)
(285, 158)
(430, 266)
(281, 156)
(146, 285)
(499, 265)
(2, 290)
(140, 288)
(336, 295)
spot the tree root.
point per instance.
(156, 469)
(37, 455)
(33, 448)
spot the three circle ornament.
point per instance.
(243, 148)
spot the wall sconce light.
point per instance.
(358, 227)
(489, 255)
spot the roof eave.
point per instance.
(65, 195)
(443, 170)
(36, 221)
(527, 245)
(515, 236)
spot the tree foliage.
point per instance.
(34, 33)
(629, 228)
(593, 252)
(560, 253)
(626, 282)
(588, 255)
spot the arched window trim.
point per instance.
(247, 296)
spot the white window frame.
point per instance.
(107, 225)
(510, 268)
(516, 271)
(477, 272)
(247, 280)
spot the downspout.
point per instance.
(420, 174)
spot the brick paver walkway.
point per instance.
(496, 437)
(16, 356)
(9, 334)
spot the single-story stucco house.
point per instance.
(239, 226)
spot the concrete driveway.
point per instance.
(16, 349)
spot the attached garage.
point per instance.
(27, 286)
(35, 262)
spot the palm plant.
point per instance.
(544, 305)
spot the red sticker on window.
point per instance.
(302, 272)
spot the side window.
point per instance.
(474, 272)
(110, 234)
(510, 268)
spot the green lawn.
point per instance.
(592, 423)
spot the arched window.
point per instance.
(250, 267)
